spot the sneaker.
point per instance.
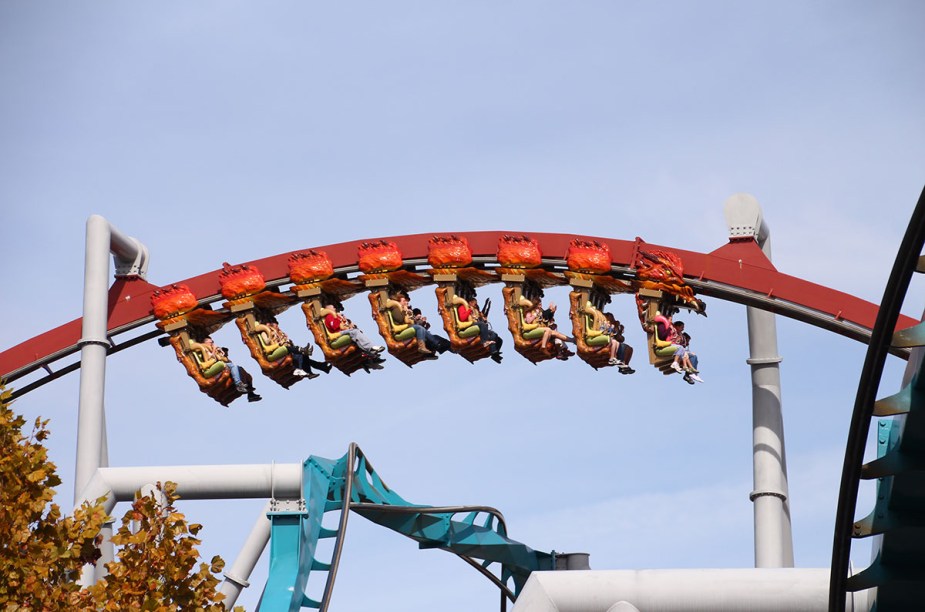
(326, 368)
(676, 367)
(625, 369)
(241, 387)
(697, 378)
(299, 372)
(378, 349)
(688, 379)
(496, 357)
(313, 375)
(613, 361)
(253, 397)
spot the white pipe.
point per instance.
(243, 481)
(93, 343)
(131, 259)
(773, 534)
(686, 590)
(256, 543)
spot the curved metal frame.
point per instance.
(878, 347)
(738, 272)
(341, 497)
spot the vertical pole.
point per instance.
(236, 577)
(773, 535)
(131, 259)
(93, 345)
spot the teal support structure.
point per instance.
(897, 521)
(477, 534)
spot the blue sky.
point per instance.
(230, 131)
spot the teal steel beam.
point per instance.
(351, 483)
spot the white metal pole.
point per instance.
(236, 577)
(93, 345)
(773, 535)
(131, 258)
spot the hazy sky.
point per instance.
(230, 131)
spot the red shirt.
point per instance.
(332, 322)
(463, 312)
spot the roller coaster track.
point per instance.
(898, 518)
(737, 272)
(351, 483)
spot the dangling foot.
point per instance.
(688, 379)
(422, 348)
(241, 387)
(299, 372)
(312, 375)
(677, 368)
(625, 369)
(697, 378)
(326, 368)
(496, 357)
(253, 397)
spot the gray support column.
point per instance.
(93, 345)
(131, 258)
(773, 535)
(236, 577)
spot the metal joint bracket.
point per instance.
(756, 494)
(287, 505)
(82, 343)
(241, 582)
(764, 360)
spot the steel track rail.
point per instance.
(707, 288)
(878, 348)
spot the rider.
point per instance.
(337, 323)
(273, 337)
(469, 311)
(210, 353)
(684, 339)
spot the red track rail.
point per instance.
(738, 265)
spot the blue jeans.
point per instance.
(359, 338)
(235, 372)
(486, 334)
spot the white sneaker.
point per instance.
(378, 349)
(299, 372)
(676, 367)
(696, 377)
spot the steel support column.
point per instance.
(773, 536)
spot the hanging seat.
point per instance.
(463, 335)
(339, 350)
(526, 336)
(661, 351)
(592, 345)
(274, 359)
(400, 339)
(213, 377)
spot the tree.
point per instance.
(156, 568)
(42, 552)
